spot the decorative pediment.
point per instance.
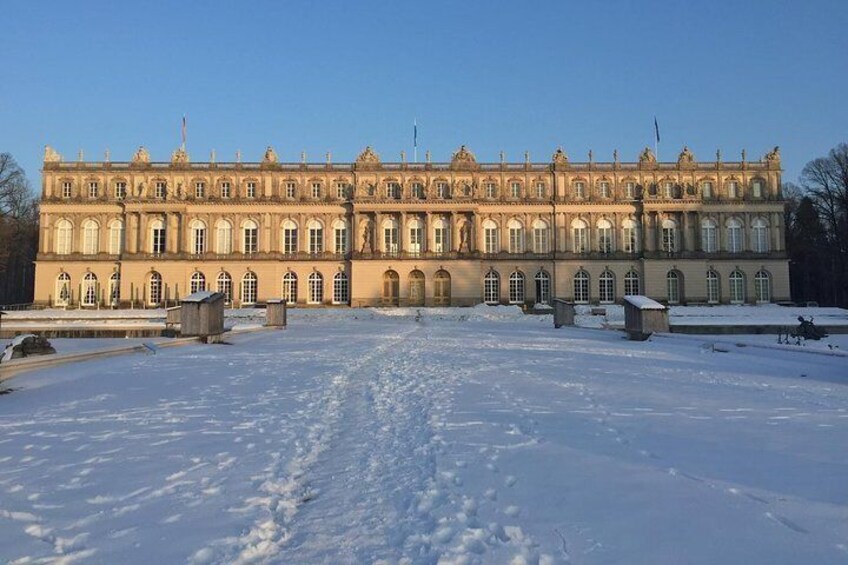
(647, 158)
(179, 157)
(270, 156)
(559, 157)
(51, 155)
(463, 159)
(685, 158)
(141, 157)
(368, 159)
(773, 157)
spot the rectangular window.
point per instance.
(516, 240)
(712, 288)
(707, 190)
(757, 188)
(605, 240)
(341, 191)
(120, 190)
(251, 240)
(581, 240)
(393, 191)
(158, 246)
(515, 190)
(441, 240)
(418, 190)
(66, 189)
(416, 236)
(92, 190)
(630, 190)
(709, 240)
(316, 190)
(734, 239)
(289, 241)
(340, 235)
(628, 235)
(199, 241)
(159, 190)
(316, 240)
(579, 189)
(251, 190)
(490, 240)
(290, 189)
(733, 189)
(669, 240)
(442, 190)
(604, 189)
(491, 190)
(225, 190)
(390, 240)
(669, 190)
(540, 240)
(199, 190)
(540, 190)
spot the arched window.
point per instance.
(579, 236)
(631, 283)
(734, 235)
(154, 289)
(709, 236)
(441, 236)
(581, 287)
(64, 234)
(669, 236)
(90, 237)
(760, 235)
(63, 289)
(225, 286)
(115, 289)
(605, 238)
(340, 237)
(629, 236)
(249, 283)
(737, 287)
(341, 288)
(157, 237)
(713, 289)
(673, 285)
(198, 282)
(762, 286)
(492, 288)
(316, 236)
(442, 288)
(490, 237)
(316, 288)
(416, 288)
(541, 237)
(290, 288)
(390, 236)
(391, 288)
(223, 237)
(198, 237)
(90, 289)
(289, 238)
(415, 240)
(543, 288)
(250, 237)
(116, 237)
(516, 236)
(606, 287)
(516, 288)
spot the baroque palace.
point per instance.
(370, 233)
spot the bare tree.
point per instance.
(18, 232)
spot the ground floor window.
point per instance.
(606, 287)
(115, 289)
(581, 287)
(154, 289)
(63, 289)
(713, 295)
(543, 288)
(225, 286)
(737, 287)
(631, 283)
(492, 288)
(762, 286)
(198, 282)
(290, 288)
(248, 288)
(90, 289)
(516, 288)
(316, 288)
(673, 286)
(341, 289)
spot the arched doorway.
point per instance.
(416, 288)
(442, 290)
(391, 289)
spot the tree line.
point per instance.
(18, 233)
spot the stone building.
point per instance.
(374, 233)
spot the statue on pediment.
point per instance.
(647, 156)
(773, 156)
(141, 156)
(686, 157)
(463, 158)
(559, 157)
(51, 155)
(270, 156)
(368, 157)
(179, 157)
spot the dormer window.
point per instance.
(251, 190)
(66, 189)
(120, 190)
(199, 190)
(225, 189)
(93, 189)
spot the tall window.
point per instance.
(197, 282)
(289, 237)
(90, 237)
(543, 288)
(668, 189)
(157, 237)
(737, 287)
(198, 237)
(248, 288)
(89, 289)
(290, 288)
(540, 190)
(63, 289)
(154, 289)
(713, 295)
(606, 287)
(734, 235)
(250, 189)
(516, 236)
(393, 191)
(630, 190)
(341, 191)
(66, 189)
(250, 237)
(579, 236)
(291, 189)
(390, 236)
(316, 190)
(416, 236)
(341, 292)
(225, 286)
(340, 244)
(116, 237)
(760, 234)
(200, 190)
(115, 289)
(629, 236)
(159, 189)
(442, 190)
(541, 237)
(441, 236)
(673, 287)
(757, 188)
(93, 189)
(631, 283)
(492, 288)
(516, 288)
(491, 190)
(733, 189)
(580, 189)
(64, 234)
(669, 236)
(515, 189)
(120, 190)
(604, 189)
(490, 237)
(605, 237)
(709, 236)
(418, 190)
(762, 286)
(581, 287)
(707, 189)
(316, 237)
(226, 189)
(224, 237)
(316, 288)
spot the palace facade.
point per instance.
(371, 233)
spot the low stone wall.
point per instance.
(714, 329)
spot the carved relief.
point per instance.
(685, 158)
(368, 159)
(51, 155)
(647, 157)
(560, 157)
(179, 157)
(463, 159)
(270, 156)
(141, 157)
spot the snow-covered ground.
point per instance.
(472, 435)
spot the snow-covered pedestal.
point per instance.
(643, 316)
(202, 315)
(275, 313)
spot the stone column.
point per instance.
(377, 236)
(689, 239)
(651, 232)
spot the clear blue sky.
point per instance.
(337, 75)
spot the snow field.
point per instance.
(382, 439)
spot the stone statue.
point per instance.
(559, 157)
(139, 190)
(465, 237)
(685, 157)
(270, 156)
(179, 157)
(463, 159)
(367, 246)
(368, 157)
(141, 156)
(51, 155)
(773, 156)
(647, 156)
(181, 194)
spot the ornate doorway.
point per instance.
(442, 283)
(391, 289)
(416, 288)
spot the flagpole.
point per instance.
(415, 140)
